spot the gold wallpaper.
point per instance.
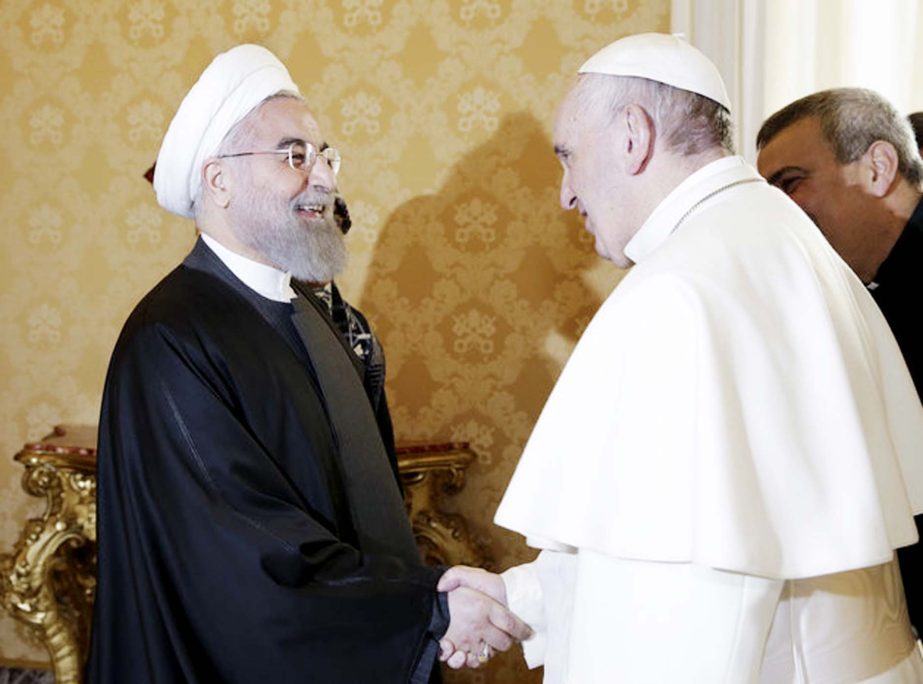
(477, 283)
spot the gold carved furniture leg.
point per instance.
(48, 581)
(429, 474)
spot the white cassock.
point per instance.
(723, 470)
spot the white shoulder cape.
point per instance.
(738, 401)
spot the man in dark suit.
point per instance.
(849, 160)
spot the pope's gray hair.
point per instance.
(688, 123)
(851, 119)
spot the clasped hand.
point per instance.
(480, 621)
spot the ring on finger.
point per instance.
(484, 654)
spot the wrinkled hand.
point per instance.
(479, 622)
(474, 578)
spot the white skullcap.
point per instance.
(663, 58)
(230, 87)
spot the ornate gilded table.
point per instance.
(48, 581)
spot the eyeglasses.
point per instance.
(301, 156)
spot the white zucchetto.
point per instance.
(231, 86)
(663, 58)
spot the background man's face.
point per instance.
(800, 162)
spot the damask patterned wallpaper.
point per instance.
(476, 281)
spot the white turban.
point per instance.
(663, 58)
(230, 87)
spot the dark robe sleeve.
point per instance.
(221, 556)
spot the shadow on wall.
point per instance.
(478, 293)
(479, 290)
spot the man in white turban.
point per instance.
(732, 454)
(250, 524)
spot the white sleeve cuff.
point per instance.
(524, 597)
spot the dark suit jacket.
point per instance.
(898, 291)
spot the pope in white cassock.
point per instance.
(721, 475)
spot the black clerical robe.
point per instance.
(243, 535)
(897, 290)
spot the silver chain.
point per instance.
(712, 194)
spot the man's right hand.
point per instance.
(479, 620)
(475, 578)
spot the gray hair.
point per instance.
(238, 135)
(851, 119)
(689, 123)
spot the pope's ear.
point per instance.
(640, 135)
(216, 181)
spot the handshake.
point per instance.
(480, 621)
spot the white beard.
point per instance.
(309, 249)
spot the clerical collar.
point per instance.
(265, 280)
(901, 258)
(685, 198)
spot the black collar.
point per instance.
(906, 249)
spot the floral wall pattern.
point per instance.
(476, 281)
